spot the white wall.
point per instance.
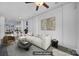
(69, 26)
(77, 29)
(2, 29)
(22, 25)
(65, 31)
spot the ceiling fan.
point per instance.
(38, 4)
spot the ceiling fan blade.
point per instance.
(37, 8)
(45, 5)
(29, 2)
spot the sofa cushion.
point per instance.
(29, 33)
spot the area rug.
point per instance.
(13, 50)
(3, 50)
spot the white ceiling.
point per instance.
(13, 10)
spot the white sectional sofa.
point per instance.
(42, 41)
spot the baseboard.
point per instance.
(67, 45)
(76, 50)
(68, 50)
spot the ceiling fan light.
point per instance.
(39, 3)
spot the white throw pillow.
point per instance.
(42, 36)
(29, 33)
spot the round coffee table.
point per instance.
(24, 45)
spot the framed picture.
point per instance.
(48, 24)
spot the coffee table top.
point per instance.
(25, 42)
